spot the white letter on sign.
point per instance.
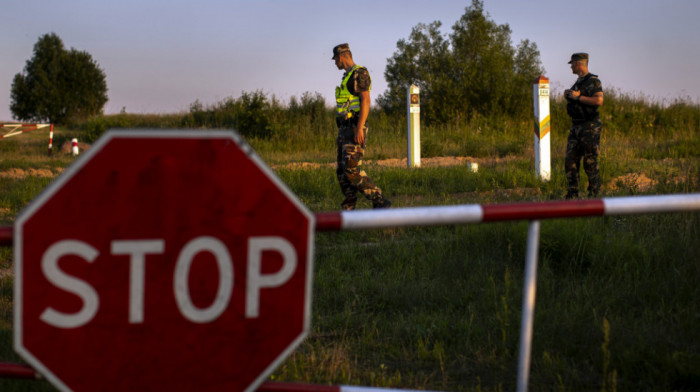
(256, 280)
(138, 249)
(182, 273)
(49, 265)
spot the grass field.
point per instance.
(439, 307)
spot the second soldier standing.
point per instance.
(583, 100)
(352, 109)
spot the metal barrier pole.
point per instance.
(528, 313)
(17, 370)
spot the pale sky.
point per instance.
(160, 56)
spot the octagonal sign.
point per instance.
(162, 260)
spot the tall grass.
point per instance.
(303, 129)
(439, 307)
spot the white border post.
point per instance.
(413, 116)
(74, 147)
(528, 312)
(51, 140)
(540, 92)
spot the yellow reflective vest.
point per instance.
(347, 105)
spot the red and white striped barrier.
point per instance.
(6, 235)
(17, 128)
(461, 214)
(448, 215)
(16, 370)
(475, 213)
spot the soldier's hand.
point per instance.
(359, 136)
(572, 94)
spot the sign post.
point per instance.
(413, 116)
(543, 165)
(162, 260)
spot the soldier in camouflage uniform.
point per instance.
(583, 100)
(352, 110)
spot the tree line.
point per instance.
(58, 85)
(473, 69)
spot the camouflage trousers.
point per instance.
(351, 177)
(583, 143)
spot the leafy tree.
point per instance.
(58, 85)
(476, 69)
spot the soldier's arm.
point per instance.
(364, 113)
(595, 100)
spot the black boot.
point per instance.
(383, 203)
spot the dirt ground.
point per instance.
(395, 162)
(638, 181)
(18, 174)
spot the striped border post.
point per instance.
(51, 140)
(540, 93)
(413, 118)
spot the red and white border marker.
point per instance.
(51, 140)
(74, 147)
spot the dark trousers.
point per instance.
(583, 143)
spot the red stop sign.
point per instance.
(162, 260)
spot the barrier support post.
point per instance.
(528, 312)
(543, 164)
(413, 116)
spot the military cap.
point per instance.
(342, 48)
(578, 57)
